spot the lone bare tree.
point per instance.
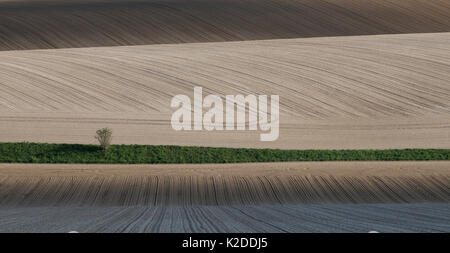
(104, 137)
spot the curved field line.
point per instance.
(385, 91)
(29, 185)
(335, 218)
(87, 23)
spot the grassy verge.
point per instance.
(76, 153)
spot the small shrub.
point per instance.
(104, 137)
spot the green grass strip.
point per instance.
(134, 154)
